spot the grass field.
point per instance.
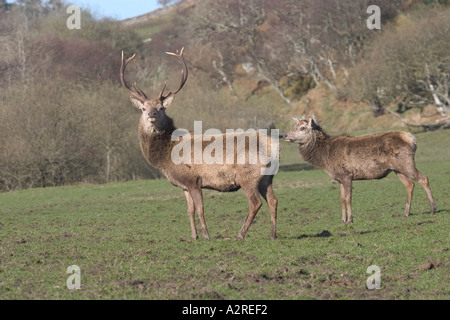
(132, 240)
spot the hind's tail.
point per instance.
(410, 139)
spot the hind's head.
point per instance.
(303, 131)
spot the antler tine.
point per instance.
(140, 95)
(184, 75)
(139, 90)
(161, 97)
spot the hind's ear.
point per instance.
(296, 119)
(312, 123)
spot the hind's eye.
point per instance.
(302, 128)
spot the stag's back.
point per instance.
(225, 162)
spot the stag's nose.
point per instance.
(152, 114)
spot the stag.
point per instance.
(366, 157)
(158, 144)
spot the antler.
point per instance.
(138, 94)
(184, 76)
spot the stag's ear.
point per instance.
(168, 101)
(137, 103)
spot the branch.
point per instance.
(439, 124)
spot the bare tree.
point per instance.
(233, 24)
(321, 39)
(408, 65)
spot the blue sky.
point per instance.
(117, 9)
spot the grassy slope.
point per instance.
(132, 240)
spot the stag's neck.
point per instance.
(315, 151)
(156, 145)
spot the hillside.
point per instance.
(158, 13)
(326, 92)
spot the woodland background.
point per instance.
(64, 118)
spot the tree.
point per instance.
(4, 5)
(408, 65)
(235, 28)
(38, 8)
(317, 39)
(62, 118)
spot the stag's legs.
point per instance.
(346, 200)
(197, 198)
(254, 203)
(409, 184)
(266, 191)
(191, 211)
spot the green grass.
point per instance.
(132, 240)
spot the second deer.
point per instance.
(367, 157)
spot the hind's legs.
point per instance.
(346, 200)
(344, 210)
(414, 174)
(423, 180)
(409, 185)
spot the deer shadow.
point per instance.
(323, 234)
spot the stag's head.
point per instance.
(153, 118)
(303, 132)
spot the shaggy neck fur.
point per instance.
(156, 145)
(314, 150)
